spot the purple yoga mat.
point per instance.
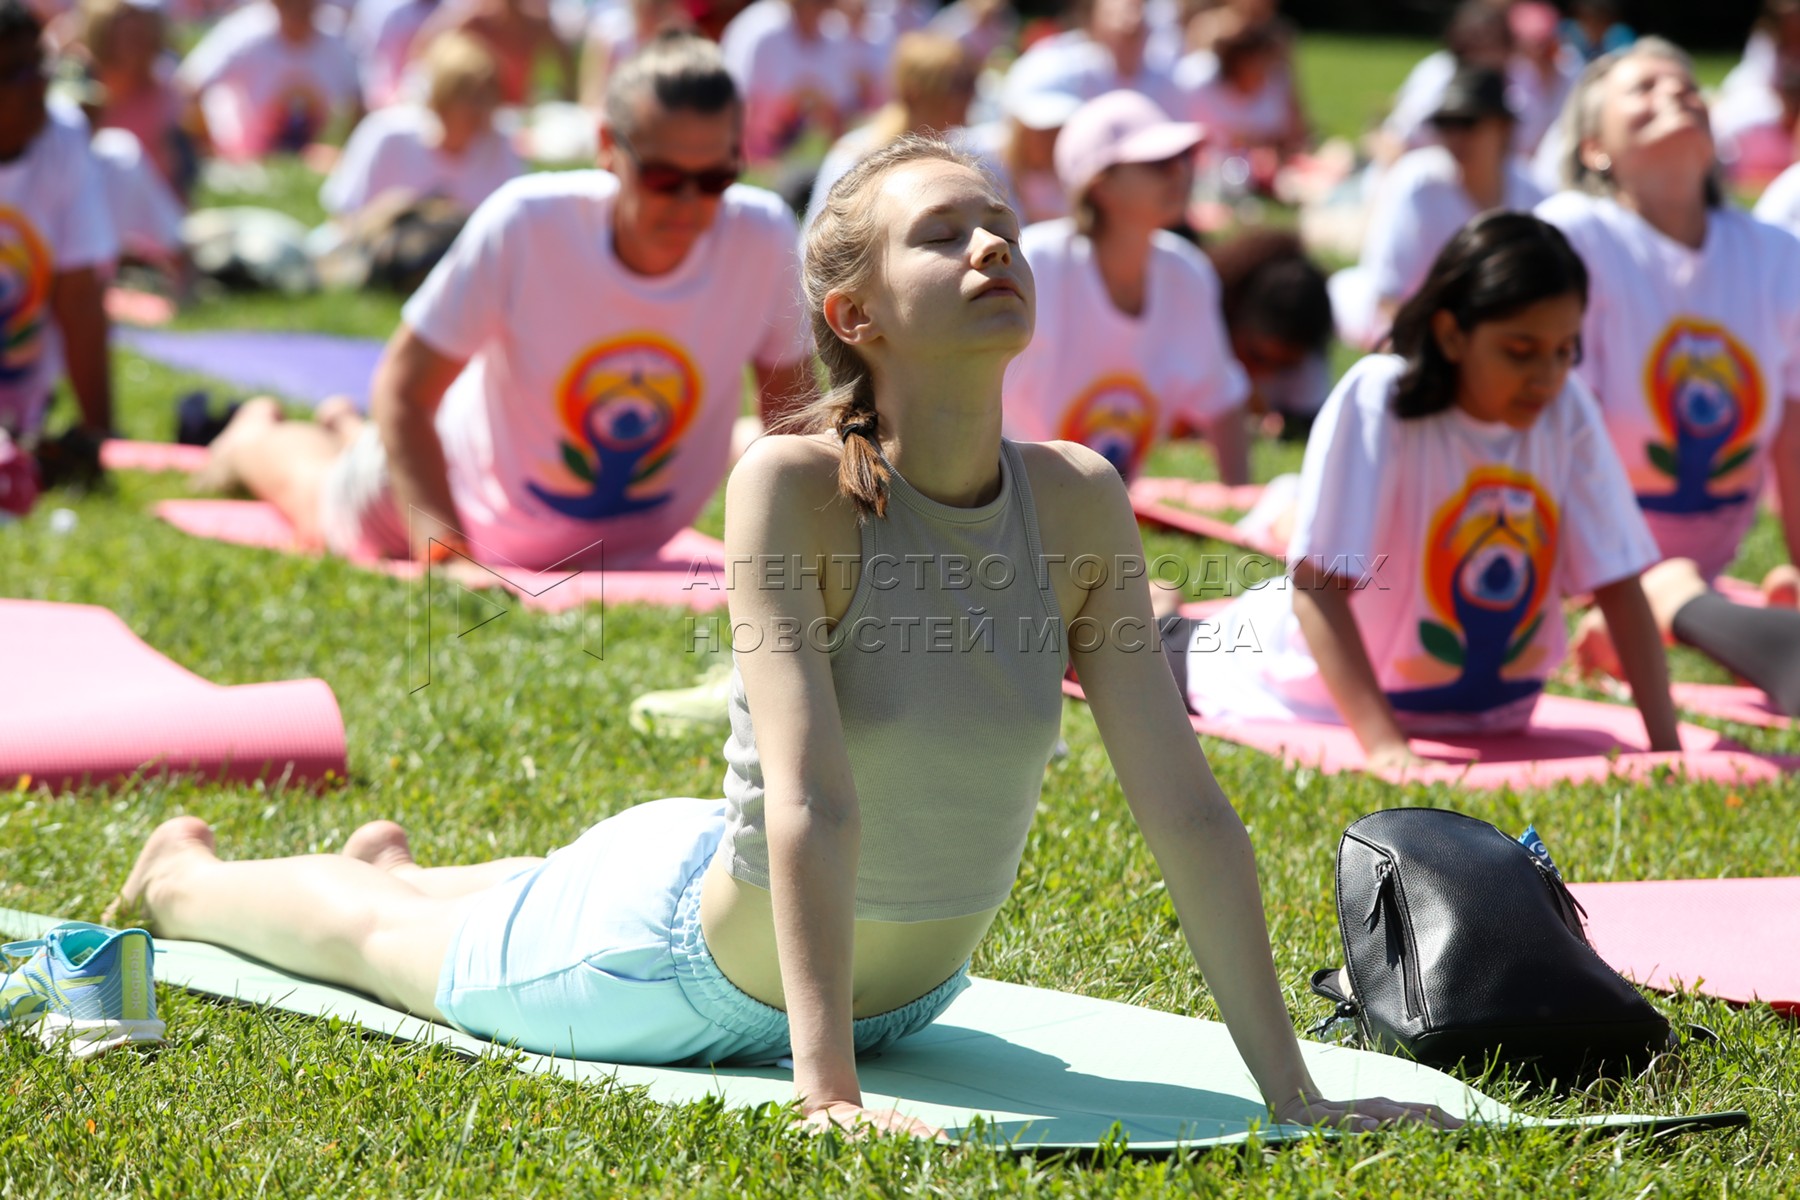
(305, 368)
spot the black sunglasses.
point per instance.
(665, 179)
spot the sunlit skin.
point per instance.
(465, 118)
(1509, 369)
(653, 232)
(1652, 118)
(1145, 195)
(952, 279)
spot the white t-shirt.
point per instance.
(1113, 382)
(786, 80)
(53, 219)
(146, 216)
(1780, 203)
(597, 405)
(1419, 207)
(1694, 355)
(1464, 535)
(396, 149)
(1074, 63)
(1534, 101)
(260, 92)
(1233, 121)
(384, 47)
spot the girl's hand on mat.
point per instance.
(858, 1121)
(1361, 1116)
(1395, 756)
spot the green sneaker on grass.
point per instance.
(703, 708)
(85, 987)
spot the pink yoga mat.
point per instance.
(1569, 739)
(1729, 702)
(1733, 939)
(688, 571)
(86, 700)
(1196, 507)
(117, 454)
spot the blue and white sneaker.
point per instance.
(84, 987)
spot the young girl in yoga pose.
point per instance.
(1693, 348)
(1452, 493)
(880, 775)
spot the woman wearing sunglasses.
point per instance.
(567, 376)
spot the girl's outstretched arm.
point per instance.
(1322, 606)
(1639, 647)
(772, 508)
(1199, 843)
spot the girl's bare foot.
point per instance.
(176, 842)
(252, 418)
(1591, 647)
(381, 844)
(1781, 586)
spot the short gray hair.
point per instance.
(676, 69)
(1580, 118)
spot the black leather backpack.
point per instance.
(1463, 948)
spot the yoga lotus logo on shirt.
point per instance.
(1706, 394)
(625, 404)
(24, 288)
(297, 115)
(1487, 567)
(1116, 417)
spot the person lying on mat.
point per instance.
(1693, 348)
(564, 387)
(1130, 338)
(57, 245)
(830, 904)
(1452, 493)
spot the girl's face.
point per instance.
(1652, 119)
(1509, 369)
(950, 278)
(1145, 195)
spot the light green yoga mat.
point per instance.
(1043, 1069)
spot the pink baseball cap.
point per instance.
(1119, 127)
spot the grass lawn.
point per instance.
(522, 743)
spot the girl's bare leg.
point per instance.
(283, 462)
(319, 915)
(1668, 585)
(383, 844)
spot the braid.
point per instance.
(863, 472)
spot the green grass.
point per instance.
(521, 743)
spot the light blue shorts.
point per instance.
(597, 954)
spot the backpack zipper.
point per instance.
(1387, 889)
(1567, 906)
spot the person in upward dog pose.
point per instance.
(829, 904)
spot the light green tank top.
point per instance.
(948, 668)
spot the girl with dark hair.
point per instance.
(1693, 347)
(1453, 492)
(878, 795)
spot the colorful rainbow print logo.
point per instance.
(1115, 416)
(625, 404)
(1706, 394)
(1490, 556)
(25, 274)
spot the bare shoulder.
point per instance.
(790, 479)
(1069, 477)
